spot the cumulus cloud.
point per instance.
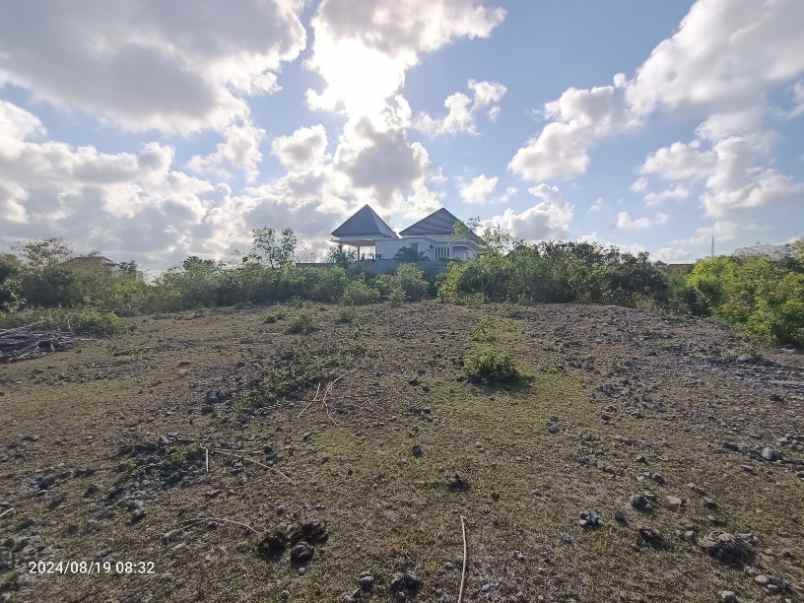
(150, 65)
(478, 189)
(363, 50)
(597, 205)
(240, 150)
(549, 219)
(734, 171)
(303, 149)
(725, 58)
(676, 193)
(462, 110)
(579, 119)
(626, 222)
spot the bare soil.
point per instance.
(670, 429)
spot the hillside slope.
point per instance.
(670, 429)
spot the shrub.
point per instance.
(358, 293)
(396, 295)
(488, 365)
(346, 315)
(300, 324)
(85, 321)
(411, 280)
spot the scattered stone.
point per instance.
(728, 596)
(137, 515)
(405, 584)
(770, 454)
(590, 519)
(640, 502)
(553, 427)
(272, 546)
(709, 503)
(762, 580)
(651, 537)
(301, 554)
(658, 478)
(620, 517)
(674, 502)
(417, 451)
(366, 583)
(457, 484)
(728, 548)
(567, 539)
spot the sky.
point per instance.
(152, 130)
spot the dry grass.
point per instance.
(389, 510)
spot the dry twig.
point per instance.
(245, 458)
(232, 521)
(6, 512)
(463, 571)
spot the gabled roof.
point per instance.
(440, 222)
(365, 222)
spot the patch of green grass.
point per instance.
(300, 323)
(346, 315)
(485, 364)
(273, 317)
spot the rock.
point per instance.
(366, 583)
(553, 428)
(640, 502)
(674, 502)
(301, 553)
(405, 584)
(709, 503)
(651, 536)
(770, 454)
(728, 596)
(567, 539)
(620, 517)
(313, 531)
(658, 478)
(762, 580)
(728, 548)
(590, 519)
(417, 451)
(457, 484)
(272, 546)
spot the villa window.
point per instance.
(441, 252)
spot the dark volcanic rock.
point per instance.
(728, 548)
(301, 553)
(272, 546)
(405, 584)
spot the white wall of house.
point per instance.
(434, 247)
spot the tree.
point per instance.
(272, 247)
(798, 250)
(340, 256)
(409, 254)
(197, 264)
(9, 268)
(38, 255)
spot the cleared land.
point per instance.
(102, 458)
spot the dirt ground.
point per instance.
(664, 431)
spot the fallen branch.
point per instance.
(245, 458)
(463, 571)
(6, 512)
(232, 521)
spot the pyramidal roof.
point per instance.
(440, 222)
(365, 222)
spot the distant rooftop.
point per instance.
(440, 222)
(365, 222)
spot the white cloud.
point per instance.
(597, 205)
(240, 150)
(549, 219)
(677, 193)
(363, 50)
(580, 119)
(303, 149)
(626, 222)
(639, 185)
(478, 189)
(725, 58)
(798, 100)
(461, 110)
(149, 65)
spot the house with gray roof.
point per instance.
(434, 237)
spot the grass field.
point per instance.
(103, 458)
